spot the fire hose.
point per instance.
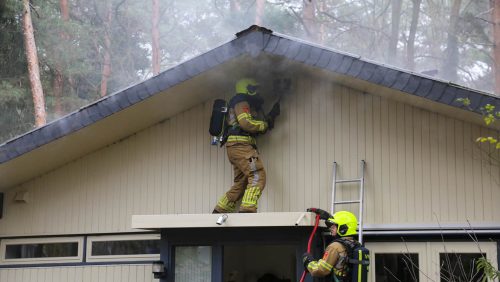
(309, 243)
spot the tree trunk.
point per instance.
(234, 6)
(106, 67)
(410, 48)
(322, 26)
(155, 32)
(33, 68)
(392, 50)
(450, 65)
(63, 5)
(309, 19)
(495, 5)
(259, 11)
(58, 82)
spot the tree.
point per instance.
(259, 11)
(155, 34)
(392, 50)
(495, 8)
(450, 65)
(410, 46)
(33, 68)
(106, 60)
(58, 83)
(309, 19)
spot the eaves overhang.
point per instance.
(68, 138)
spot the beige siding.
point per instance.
(107, 273)
(421, 167)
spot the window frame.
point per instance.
(120, 258)
(398, 248)
(45, 260)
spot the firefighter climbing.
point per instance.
(243, 127)
(344, 259)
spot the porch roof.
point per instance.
(268, 219)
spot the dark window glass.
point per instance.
(125, 247)
(42, 250)
(396, 267)
(460, 267)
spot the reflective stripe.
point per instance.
(253, 169)
(313, 265)
(325, 264)
(260, 124)
(248, 117)
(241, 139)
(360, 258)
(243, 116)
(338, 272)
(226, 204)
(251, 196)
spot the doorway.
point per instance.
(259, 263)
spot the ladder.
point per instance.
(359, 201)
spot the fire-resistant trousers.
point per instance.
(249, 179)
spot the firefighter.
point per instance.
(244, 126)
(334, 261)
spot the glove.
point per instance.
(324, 215)
(306, 259)
(270, 123)
(275, 111)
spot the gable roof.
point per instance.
(123, 113)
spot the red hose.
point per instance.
(311, 237)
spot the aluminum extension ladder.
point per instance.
(361, 181)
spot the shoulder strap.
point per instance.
(350, 245)
(237, 99)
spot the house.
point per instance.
(100, 194)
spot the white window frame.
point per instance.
(418, 248)
(435, 248)
(133, 237)
(5, 242)
(428, 254)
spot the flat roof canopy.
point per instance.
(268, 219)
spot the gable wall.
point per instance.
(421, 166)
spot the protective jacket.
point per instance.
(243, 126)
(333, 262)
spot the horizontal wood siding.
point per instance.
(421, 167)
(107, 273)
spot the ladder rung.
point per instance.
(348, 180)
(348, 202)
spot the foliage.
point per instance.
(489, 270)
(490, 115)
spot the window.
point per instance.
(123, 248)
(41, 250)
(396, 267)
(193, 264)
(460, 267)
(431, 261)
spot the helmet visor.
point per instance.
(329, 222)
(252, 89)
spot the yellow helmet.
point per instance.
(247, 86)
(346, 223)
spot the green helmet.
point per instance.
(346, 223)
(247, 86)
